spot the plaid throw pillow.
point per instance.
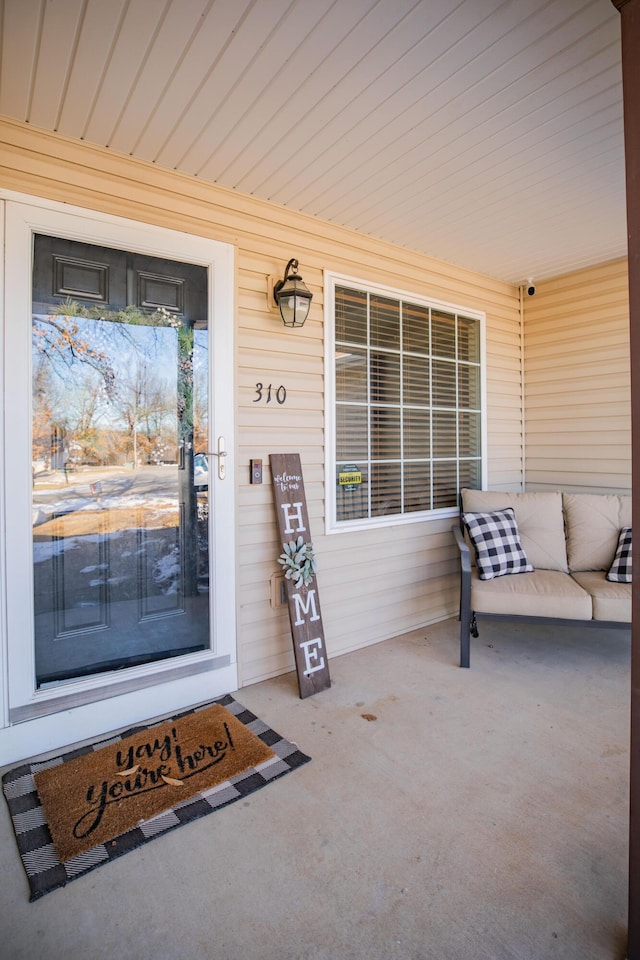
(496, 543)
(620, 571)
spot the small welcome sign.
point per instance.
(312, 663)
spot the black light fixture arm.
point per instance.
(292, 265)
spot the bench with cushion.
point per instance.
(550, 557)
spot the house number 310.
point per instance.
(266, 394)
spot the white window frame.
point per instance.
(331, 281)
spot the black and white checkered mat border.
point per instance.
(44, 870)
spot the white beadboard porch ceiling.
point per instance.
(487, 133)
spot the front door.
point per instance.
(119, 409)
(128, 469)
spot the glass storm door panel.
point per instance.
(120, 482)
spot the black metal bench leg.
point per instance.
(466, 613)
(465, 631)
(465, 644)
(468, 629)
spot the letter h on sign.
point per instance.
(293, 512)
(304, 603)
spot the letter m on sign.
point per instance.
(312, 663)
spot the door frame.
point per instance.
(35, 721)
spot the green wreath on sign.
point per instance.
(298, 561)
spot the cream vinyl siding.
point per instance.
(577, 374)
(373, 584)
(505, 427)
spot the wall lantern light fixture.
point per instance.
(292, 297)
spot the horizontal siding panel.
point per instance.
(593, 341)
(610, 335)
(578, 375)
(268, 660)
(542, 404)
(508, 482)
(271, 339)
(265, 636)
(612, 460)
(615, 444)
(295, 363)
(598, 398)
(502, 356)
(507, 386)
(502, 459)
(608, 332)
(296, 420)
(299, 384)
(602, 426)
(586, 365)
(599, 306)
(504, 409)
(593, 481)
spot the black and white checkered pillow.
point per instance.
(620, 571)
(496, 543)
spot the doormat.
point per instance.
(74, 812)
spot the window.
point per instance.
(404, 380)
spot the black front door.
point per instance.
(120, 473)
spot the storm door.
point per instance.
(119, 412)
(127, 472)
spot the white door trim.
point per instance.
(24, 216)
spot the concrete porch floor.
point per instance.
(483, 815)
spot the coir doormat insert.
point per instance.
(76, 811)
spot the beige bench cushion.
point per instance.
(593, 522)
(544, 593)
(540, 523)
(611, 601)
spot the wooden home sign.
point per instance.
(312, 663)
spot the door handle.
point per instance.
(220, 453)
